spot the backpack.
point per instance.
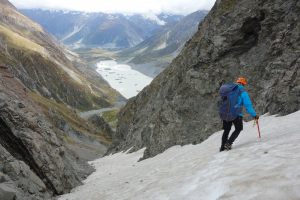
(228, 105)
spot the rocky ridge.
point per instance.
(255, 39)
(34, 164)
(161, 48)
(99, 30)
(47, 67)
(44, 144)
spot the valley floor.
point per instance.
(266, 168)
(126, 80)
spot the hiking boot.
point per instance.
(222, 148)
(227, 146)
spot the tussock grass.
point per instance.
(226, 6)
(70, 117)
(111, 117)
(12, 13)
(19, 41)
(94, 55)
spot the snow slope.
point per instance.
(255, 169)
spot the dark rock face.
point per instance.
(259, 40)
(7, 193)
(40, 84)
(100, 123)
(31, 154)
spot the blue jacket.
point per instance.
(244, 100)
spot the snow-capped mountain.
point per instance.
(166, 44)
(111, 31)
(266, 168)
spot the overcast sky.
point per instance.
(120, 6)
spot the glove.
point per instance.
(256, 117)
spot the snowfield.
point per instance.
(256, 169)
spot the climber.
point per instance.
(233, 98)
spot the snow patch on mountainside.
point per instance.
(161, 46)
(266, 168)
(142, 50)
(76, 45)
(154, 18)
(76, 30)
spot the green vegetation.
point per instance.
(67, 85)
(4, 59)
(111, 117)
(19, 41)
(92, 56)
(226, 6)
(68, 139)
(69, 116)
(82, 95)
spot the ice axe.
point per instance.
(258, 129)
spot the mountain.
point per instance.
(251, 170)
(110, 31)
(255, 39)
(44, 144)
(166, 44)
(28, 49)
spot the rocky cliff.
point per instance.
(33, 163)
(44, 145)
(256, 39)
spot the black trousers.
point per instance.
(238, 125)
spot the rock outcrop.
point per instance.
(257, 39)
(44, 144)
(33, 161)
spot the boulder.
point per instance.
(7, 192)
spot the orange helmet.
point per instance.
(242, 80)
